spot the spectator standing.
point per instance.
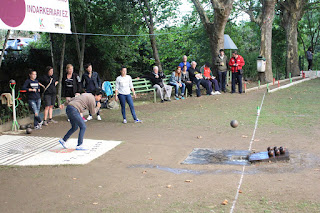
(163, 89)
(49, 83)
(175, 80)
(32, 87)
(197, 78)
(71, 84)
(89, 101)
(185, 62)
(310, 58)
(123, 87)
(206, 71)
(236, 63)
(90, 82)
(222, 64)
(185, 78)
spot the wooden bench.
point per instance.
(140, 86)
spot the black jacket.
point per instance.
(95, 77)
(154, 80)
(45, 80)
(29, 84)
(77, 87)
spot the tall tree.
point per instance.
(291, 13)
(61, 68)
(264, 19)
(148, 17)
(215, 28)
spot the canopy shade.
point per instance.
(228, 43)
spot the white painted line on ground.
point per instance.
(291, 84)
(244, 166)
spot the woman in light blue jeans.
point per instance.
(175, 80)
(122, 93)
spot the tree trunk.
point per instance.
(267, 17)
(149, 22)
(4, 47)
(76, 37)
(52, 54)
(61, 68)
(292, 12)
(83, 45)
(215, 30)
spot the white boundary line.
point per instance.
(244, 166)
(291, 84)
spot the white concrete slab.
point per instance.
(31, 151)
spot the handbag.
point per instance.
(45, 89)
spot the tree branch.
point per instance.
(203, 16)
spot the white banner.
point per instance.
(35, 15)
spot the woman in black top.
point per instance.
(71, 83)
(185, 78)
(49, 83)
(32, 87)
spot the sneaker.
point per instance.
(52, 121)
(40, 124)
(85, 120)
(176, 97)
(162, 101)
(37, 127)
(212, 93)
(217, 93)
(89, 118)
(124, 121)
(167, 100)
(138, 121)
(99, 118)
(62, 142)
(45, 123)
(182, 97)
(81, 148)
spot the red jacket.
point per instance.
(239, 61)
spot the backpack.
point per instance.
(107, 88)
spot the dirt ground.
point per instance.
(144, 174)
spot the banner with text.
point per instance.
(35, 15)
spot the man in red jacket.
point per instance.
(236, 63)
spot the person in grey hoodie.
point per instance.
(309, 58)
(222, 65)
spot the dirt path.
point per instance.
(134, 177)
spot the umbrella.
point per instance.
(228, 43)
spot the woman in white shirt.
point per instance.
(123, 86)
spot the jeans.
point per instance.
(222, 80)
(123, 99)
(215, 84)
(35, 107)
(205, 83)
(236, 75)
(309, 64)
(176, 86)
(76, 121)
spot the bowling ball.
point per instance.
(28, 130)
(234, 123)
(23, 127)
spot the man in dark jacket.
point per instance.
(156, 79)
(90, 82)
(197, 78)
(222, 64)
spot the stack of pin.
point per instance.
(275, 151)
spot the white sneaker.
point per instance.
(99, 118)
(138, 121)
(212, 93)
(217, 93)
(89, 118)
(62, 142)
(124, 121)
